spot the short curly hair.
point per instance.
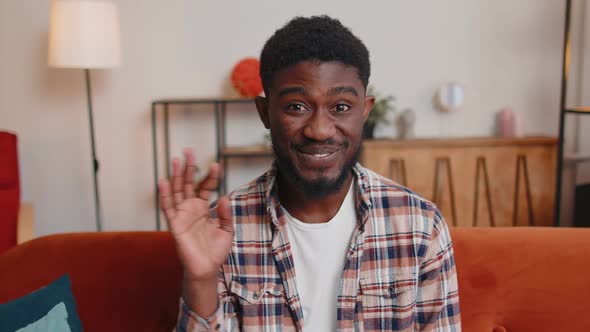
(319, 38)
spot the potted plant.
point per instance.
(383, 105)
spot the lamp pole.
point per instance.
(95, 164)
(85, 35)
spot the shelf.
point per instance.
(578, 110)
(266, 151)
(575, 158)
(188, 101)
(247, 151)
(219, 107)
(462, 141)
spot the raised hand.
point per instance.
(203, 243)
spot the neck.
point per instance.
(310, 209)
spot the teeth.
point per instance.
(321, 155)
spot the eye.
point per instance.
(341, 108)
(297, 108)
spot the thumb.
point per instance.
(224, 214)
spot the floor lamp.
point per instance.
(85, 34)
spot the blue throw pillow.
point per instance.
(56, 320)
(42, 308)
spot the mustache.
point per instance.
(329, 143)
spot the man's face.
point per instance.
(315, 112)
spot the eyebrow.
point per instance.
(332, 92)
(292, 90)
(343, 89)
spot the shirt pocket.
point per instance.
(259, 304)
(388, 301)
(257, 293)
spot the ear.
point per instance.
(369, 102)
(262, 108)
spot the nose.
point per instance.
(320, 126)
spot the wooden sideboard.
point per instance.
(474, 181)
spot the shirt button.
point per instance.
(391, 290)
(255, 296)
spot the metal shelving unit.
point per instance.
(223, 152)
(565, 110)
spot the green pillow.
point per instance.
(52, 306)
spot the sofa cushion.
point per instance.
(126, 281)
(523, 278)
(51, 306)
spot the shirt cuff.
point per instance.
(189, 321)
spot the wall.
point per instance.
(504, 52)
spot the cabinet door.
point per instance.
(475, 185)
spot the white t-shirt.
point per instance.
(319, 254)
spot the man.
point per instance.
(318, 243)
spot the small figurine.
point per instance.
(405, 124)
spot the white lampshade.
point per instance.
(84, 34)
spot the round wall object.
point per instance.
(450, 97)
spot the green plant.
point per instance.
(383, 105)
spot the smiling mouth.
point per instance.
(319, 155)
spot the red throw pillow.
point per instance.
(9, 190)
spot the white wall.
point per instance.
(505, 53)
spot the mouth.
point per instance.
(319, 156)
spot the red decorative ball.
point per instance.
(246, 77)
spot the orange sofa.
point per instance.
(510, 279)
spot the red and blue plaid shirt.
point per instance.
(399, 274)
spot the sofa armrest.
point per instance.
(24, 231)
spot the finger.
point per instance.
(177, 193)
(166, 201)
(210, 182)
(189, 173)
(224, 215)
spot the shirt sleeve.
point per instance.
(223, 320)
(189, 321)
(437, 301)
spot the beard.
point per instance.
(321, 186)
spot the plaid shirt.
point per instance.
(399, 274)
